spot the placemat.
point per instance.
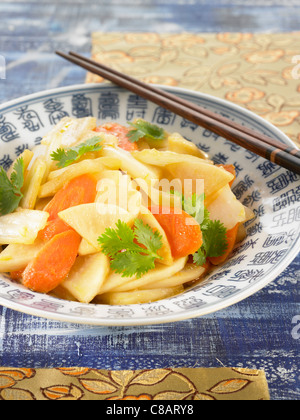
(144, 385)
(260, 72)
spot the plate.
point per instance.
(271, 192)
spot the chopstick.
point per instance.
(191, 105)
(271, 149)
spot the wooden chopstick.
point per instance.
(271, 149)
(197, 108)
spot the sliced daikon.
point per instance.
(15, 257)
(165, 251)
(189, 273)
(164, 158)
(227, 209)
(86, 278)
(22, 227)
(115, 282)
(116, 188)
(86, 248)
(91, 220)
(135, 297)
(214, 178)
(178, 144)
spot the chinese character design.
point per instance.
(55, 109)
(81, 106)
(8, 131)
(30, 118)
(163, 117)
(109, 106)
(136, 107)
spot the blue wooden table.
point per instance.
(261, 332)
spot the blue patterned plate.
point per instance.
(273, 194)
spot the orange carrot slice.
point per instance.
(53, 228)
(53, 263)
(80, 190)
(17, 275)
(121, 133)
(231, 240)
(183, 232)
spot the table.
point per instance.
(261, 332)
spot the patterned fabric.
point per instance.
(260, 72)
(150, 385)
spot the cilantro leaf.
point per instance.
(10, 189)
(145, 129)
(65, 158)
(213, 232)
(200, 257)
(132, 251)
(214, 241)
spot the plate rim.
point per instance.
(172, 317)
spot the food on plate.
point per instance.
(116, 214)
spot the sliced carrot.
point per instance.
(183, 232)
(17, 275)
(53, 228)
(53, 263)
(231, 240)
(121, 133)
(80, 190)
(231, 169)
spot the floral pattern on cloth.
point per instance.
(260, 72)
(150, 385)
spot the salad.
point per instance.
(115, 214)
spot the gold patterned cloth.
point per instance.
(260, 72)
(149, 385)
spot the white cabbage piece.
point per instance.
(59, 178)
(132, 166)
(33, 183)
(116, 283)
(71, 130)
(22, 226)
(86, 277)
(91, 220)
(227, 209)
(16, 257)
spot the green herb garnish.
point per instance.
(213, 232)
(65, 158)
(143, 129)
(10, 189)
(132, 251)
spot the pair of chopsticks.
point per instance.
(270, 149)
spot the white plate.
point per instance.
(273, 194)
